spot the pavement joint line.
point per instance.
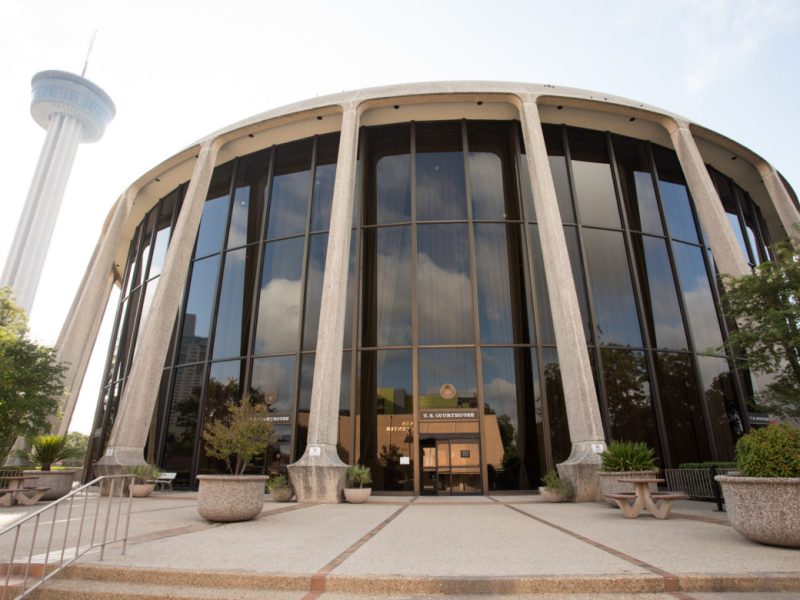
(671, 581)
(318, 579)
(701, 518)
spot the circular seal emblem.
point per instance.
(270, 397)
(447, 391)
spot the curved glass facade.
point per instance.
(450, 374)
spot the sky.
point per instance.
(178, 70)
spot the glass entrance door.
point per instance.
(450, 466)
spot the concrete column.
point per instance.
(131, 426)
(781, 200)
(79, 332)
(583, 412)
(727, 252)
(319, 476)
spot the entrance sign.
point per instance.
(448, 415)
(447, 391)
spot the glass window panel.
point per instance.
(525, 178)
(659, 295)
(248, 199)
(199, 306)
(556, 407)
(273, 381)
(182, 420)
(674, 195)
(306, 381)
(502, 304)
(697, 297)
(317, 251)
(158, 423)
(132, 277)
(683, 413)
(389, 175)
(546, 331)
(235, 303)
(594, 186)
(748, 243)
(147, 301)
(288, 202)
(493, 196)
(455, 366)
(128, 333)
(387, 286)
(441, 185)
(723, 407)
(387, 416)
(558, 167)
(215, 212)
(163, 231)
(224, 385)
(348, 340)
(612, 291)
(630, 408)
(146, 239)
(280, 297)
(731, 205)
(444, 293)
(324, 177)
(636, 184)
(510, 418)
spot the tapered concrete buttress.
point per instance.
(583, 412)
(319, 475)
(131, 426)
(782, 201)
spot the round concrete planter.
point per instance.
(549, 495)
(764, 509)
(58, 482)
(609, 483)
(357, 495)
(225, 498)
(142, 490)
(281, 494)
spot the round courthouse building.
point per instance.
(459, 284)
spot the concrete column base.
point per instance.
(119, 462)
(319, 479)
(581, 469)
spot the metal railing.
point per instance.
(42, 544)
(697, 483)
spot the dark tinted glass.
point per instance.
(501, 284)
(444, 293)
(163, 231)
(556, 407)
(723, 407)
(248, 199)
(235, 305)
(224, 385)
(182, 420)
(526, 188)
(317, 251)
(273, 381)
(133, 254)
(352, 283)
(680, 403)
(288, 202)
(147, 236)
(199, 306)
(441, 192)
(558, 167)
(493, 196)
(510, 384)
(279, 300)
(455, 366)
(674, 195)
(612, 291)
(636, 185)
(546, 332)
(387, 286)
(576, 262)
(630, 410)
(324, 177)
(215, 212)
(389, 175)
(594, 187)
(661, 306)
(731, 206)
(697, 297)
(387, 418)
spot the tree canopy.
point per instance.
(30, 378)
(766, 307)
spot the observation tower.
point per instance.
(72, 110)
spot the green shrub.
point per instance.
(708, 465)
(359, 475)
(49, 449)
(146, 472)
(554, 483)
(277, 482)
(628, 456)
(773, 451)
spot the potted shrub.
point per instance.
(763, 502)
(145, 480)
(358, 476)
(625, 459)
(280, 490)
(555, 489)
(242, 433)
(46, 450)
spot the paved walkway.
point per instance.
(514, 545)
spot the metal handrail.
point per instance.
(43, 571)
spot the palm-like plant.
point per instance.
(49, 449)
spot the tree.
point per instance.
(766, 308)
(31, 379)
